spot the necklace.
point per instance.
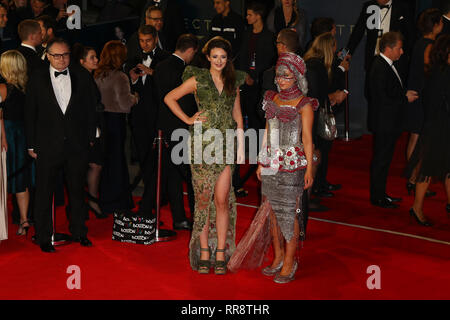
(290, 94)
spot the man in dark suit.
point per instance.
(30, 34)
(60, 126)
(31, 37)
(154, 18)
(395, 15)
(173, 24)
(388, 101)
(445, 9)
(143, 115)
(48, 28)
(167, 77)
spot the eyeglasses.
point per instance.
(278, 42)
(59, 56)
(156, 19)
(285, 78)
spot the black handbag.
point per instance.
(326, 123)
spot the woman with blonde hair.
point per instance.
(319, 64)
(13, 68)
(117, 98)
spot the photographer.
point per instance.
(143, 115)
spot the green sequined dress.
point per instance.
(218, 110)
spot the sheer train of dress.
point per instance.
(251, 250)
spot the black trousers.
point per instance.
(251, 107)
(47, 171)
(172, 177)
(324, 146)
(383, 151)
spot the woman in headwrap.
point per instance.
(285, 171)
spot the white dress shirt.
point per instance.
(391, 63)
(385, 20)
(147, 62)
(62, 87)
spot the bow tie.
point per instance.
(145, 55)
(62, 72)
(383, 7)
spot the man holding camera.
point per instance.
(143, 115)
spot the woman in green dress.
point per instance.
(217, 94)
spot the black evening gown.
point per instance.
(432, 152)
(416, 82)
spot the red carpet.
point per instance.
(333, 264)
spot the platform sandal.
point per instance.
(204, 265)
(220, 266)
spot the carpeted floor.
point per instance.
(341, 244)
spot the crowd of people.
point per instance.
(65, 111)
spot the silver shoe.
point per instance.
(268, 271)
(285, 279)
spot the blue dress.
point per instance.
(19, 165)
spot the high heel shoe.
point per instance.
(220, 267)
(204, 265)
(23, 231)
(268, 271)
(98, 214)
(425, 223)
(411, 188)
(290, 277)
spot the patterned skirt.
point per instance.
(204, 178)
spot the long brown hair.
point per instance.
(228, 72)
(322, 48)
(439, 53)
(112, 58)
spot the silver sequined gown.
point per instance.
(284, 163)
(283, 185)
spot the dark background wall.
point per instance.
(345, 13)
(198, 14)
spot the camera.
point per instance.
(343, 53)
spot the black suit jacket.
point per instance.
(387, 98)
(167, 77)
(173, 22)
(446, 27)
(33, 60)
(402, 20)
(144, 114)
(134, 50)
(265, 53)
(48, 130)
